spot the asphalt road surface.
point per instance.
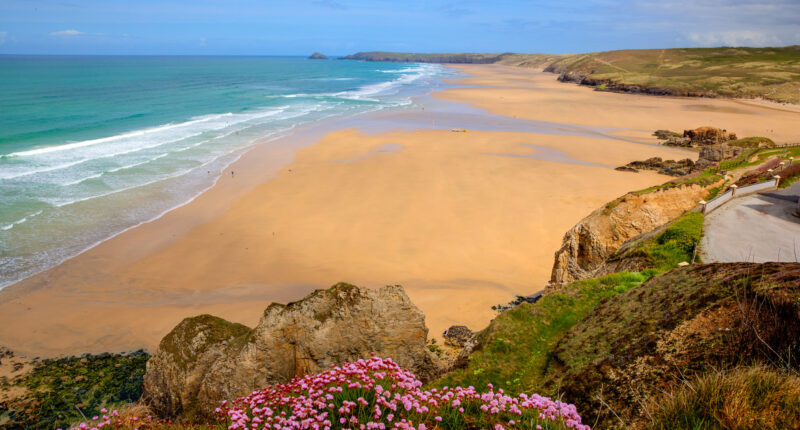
(757, 228)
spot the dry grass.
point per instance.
(744, 398)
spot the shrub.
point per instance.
(790, 175)
(759, 174)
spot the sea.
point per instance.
(92, 146)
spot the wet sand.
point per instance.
(462, 220)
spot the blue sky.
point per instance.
(337, 27)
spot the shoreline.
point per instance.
(138, 250)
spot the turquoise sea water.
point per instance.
(90, 146)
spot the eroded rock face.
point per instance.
(588, 244)
(708, 135)
(206, 360)
(712, 154)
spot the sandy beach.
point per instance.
(463, 220)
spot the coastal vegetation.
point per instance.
(769, 73)
(58, 392)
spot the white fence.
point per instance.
(735, 192)
(750, 189)
(718, 201)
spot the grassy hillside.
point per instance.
(525, 60)
(772, 73)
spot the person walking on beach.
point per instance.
(231, 173)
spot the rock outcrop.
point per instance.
(664, 167)
(317, 56)
(588, 244)
(708, 135)
(700, 136)
(713, 154)
(457, 336)
(206, 360)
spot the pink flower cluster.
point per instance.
(110, 420)
(378, 394)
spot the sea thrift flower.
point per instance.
(396, 401)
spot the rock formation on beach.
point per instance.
(317, 56)
(700, 136)
(664, 167)
(205, 360)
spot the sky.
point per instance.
(340, 27)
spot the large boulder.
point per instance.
(206, 360)
(713, 154)
(708, 135)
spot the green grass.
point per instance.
(703, 179)
(749, 397)
(772, 73)
(518, 343)
(752, 142)
(677, 243)
(59, 390)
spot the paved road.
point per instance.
(757, 228)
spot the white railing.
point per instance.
(734, 192)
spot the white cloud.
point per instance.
(67, 33)
(3, 35)
(734, 38)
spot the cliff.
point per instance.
(426, 58)
(694, 72)
(206, 360)
(588, 244)
(510, 59)
(770, 73)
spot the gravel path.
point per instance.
(757, 228)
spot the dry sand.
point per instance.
(526, 93)
(462, 220)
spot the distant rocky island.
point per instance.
(318, 56)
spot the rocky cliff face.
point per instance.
(206, 360)
(588, 244)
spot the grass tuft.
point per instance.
(749, 397)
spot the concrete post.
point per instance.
(702, 204)
(733, 190)
(777, 179)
